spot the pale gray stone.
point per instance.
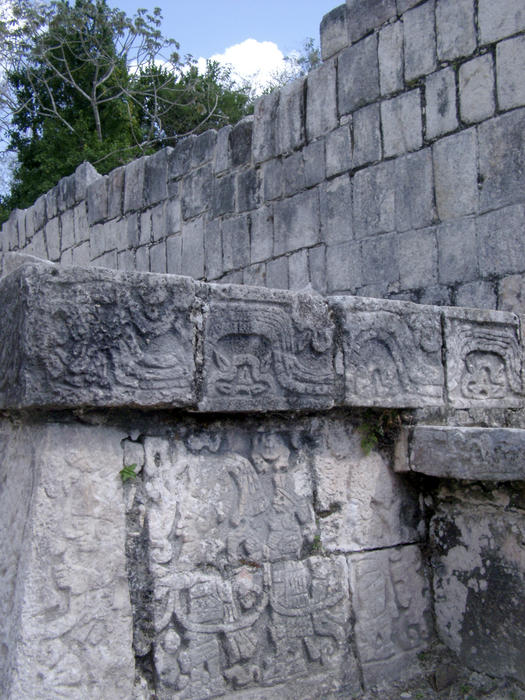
(501, 157)
(510, 59)
(193, 248)
(511, 295)
(414, 191)
(479, 576)
(142, 259)
(174, 254)
(440, 93)
(379, 258)
(374, 200)
(255, 349)
(293, 174)
(456, 175)
(333, 32)
(236, 242)
(261, 234)
(173, 215)
(222, 151)
(264, 127)
(255, 275)
(51, 203)
(213, 250)
(402, 123)
(483, 358)
(277, 273)
(475, 454)
(180, 157)
(478, 294)
(203, 148)
(420, 41)
(156, 177)
(296, 222)
(66, 193)
(390, 594)
(134, 185)
(458, 251)
(241, 140)
(338, 151)
(272, 179)
(498, 20)
(404, 5)
(52, 232)
(343, 265)
(81, 225)
(367, 136)
(291, 117)
(392, 353)
(298, 277)
(67, 228)
(391, 58)
(417, 253)
(437, 295)
(358, 75)
(47, 472)
(501, 241)
(157, 255)
(317, 268)
(336, 210)
(247, 190)
(321, 101)
(456, 31)
(21, 227)
(314, 163)
(196, 190)
(116, 192)
(476, 89)
(364, 16)
(85, 174)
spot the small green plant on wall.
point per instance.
(128, 473)
(378, 428)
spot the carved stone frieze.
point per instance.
(392, 353)
(267, 348)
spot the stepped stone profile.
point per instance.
(262, 394)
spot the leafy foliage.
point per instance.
(128, 473)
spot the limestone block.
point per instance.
(420, 41)
(97, 200)
(317, 268)
(115, 192)
(157, 254)
(85, 174)
(66, 619)
(81, 223)
(38, 213)
(180, 157)
(476, 89)
(261, 238)
(479, 576)
(498, 20)
(213, 250)
(414, 191)
(174, 255)
(404, 5)
(501, 158)
(334, 32)
(222, 151)
(51, 202)
(291, 116)
(380, 259)
(479, 294)
(223, 197)
(402, 123)
(458, 251)
(367, 136)
(66, 193)
(134, 185)
(475, 454)
(67, 229)
(53, 238)
(391, 599)
(390, 50)
(483, 358)
(362, 503)
(510, 59)
(277, 273)
(338, 151)
(374, 199)
(511, 295)
(193, 248)
(456, 31)
(418, 258)
(272, 179)
(264, 127)
(293, 179)
(456, 175)
(159, 222)
(501, 242)
(298, 275)
(392, 353)
(336, 210)
(203, 148)
(314, 163)
(255, 275)
(364, 16)
(156, 177)
(196, 189)
(95, 337)
(296, 222)
(247, 190)
(358, 75)
(21, 227)
(321, 101)
(236, 242)
(440, 91)
(241, 138)
(345, 270)
(263, 346)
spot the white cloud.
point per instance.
(252, 60)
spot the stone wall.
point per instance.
(393, 170)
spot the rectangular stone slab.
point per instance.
(266, 349)
(75, 337)
(488, 454)
(392, 353)
(483, 358)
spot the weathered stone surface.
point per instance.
(390, 50)
(392, 353)
(363, 503)
(456, 31)
(321, 101)
(264, 127)
(334, 32)
(456, 175)
(420, 40)
(440, 91)
(479, 578)
(390, 595)
(510, 58)
(364, 16)
(260, 346)
(358, 75)
(402, 125)
(475, 454)
(483, 358)
(367, 135)
(374, 199)
(291, 116)
(241, 139)
(66, 615)
(418, 258)
(296, 222)
(458, 251)
(338, 151)
(95, 337)
(500, 19)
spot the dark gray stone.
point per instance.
(420, 41)
(116, 192)
(266, 346)
(156, 177)
(272, 179)
(291, 116)
(501, 157)
(261, 234)
(179, 160)
(367, 136)
(203, 148)
(458, 251)
(241, 137)
(277, 273)
(441, 112)
(364, 16)
(344, 268)
(314, 163)
(501, 241)
(336, 210)
(293, 174)
(97, 201)
(380, 260)
(95, 338)
(456, 175)
(321, 101)
(213, 250)
(193, 248)
(66, 193)
(417, 255)
(247, 190)
(372, 213)
(358, 75)
(264, 127)
(334, 32)
(222, 151)
(478, 294)
(134, 185)
(414, 200)
(196, 191)
(338, 151)
(223, 195)
(236, 242)
(296, 222)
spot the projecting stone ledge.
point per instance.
(76, 337)
(472, 454)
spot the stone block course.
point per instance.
(455, 26)
(296, 222)
(362, 17)
(314, 163)
(441, 111)
(390, 50)
(420, 41)
(291, 117)
(264, 127)
(344, 266)
(174, 255)
(156, 177)
(367, 136)
(476, 89)
(501, 241)
(241, 140)
(358, 75)
(379, 259)
(196, 189)
(180, 157)
(97, 200)
(336, 210)
(417, 255)
(223, 158)
(510, 59)
(402, 123)
(456, 175)
(115, 192)
(321, 101)
(193, 248)
(203, 149)
(261, 234)
(333, 32)
(134, 185)
(277, 273)
(414, 191)
(293, 178)
(236, 242)
(498, 20)
(478, 294)
(374, 200)
(298, 275)
(458, 251)
(338, 151)
(247, 190)
(272, 179)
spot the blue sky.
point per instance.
(208, 27)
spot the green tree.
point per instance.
(298, 64)
(86, 82)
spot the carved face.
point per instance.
(484, 376)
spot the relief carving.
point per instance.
(266, 352)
